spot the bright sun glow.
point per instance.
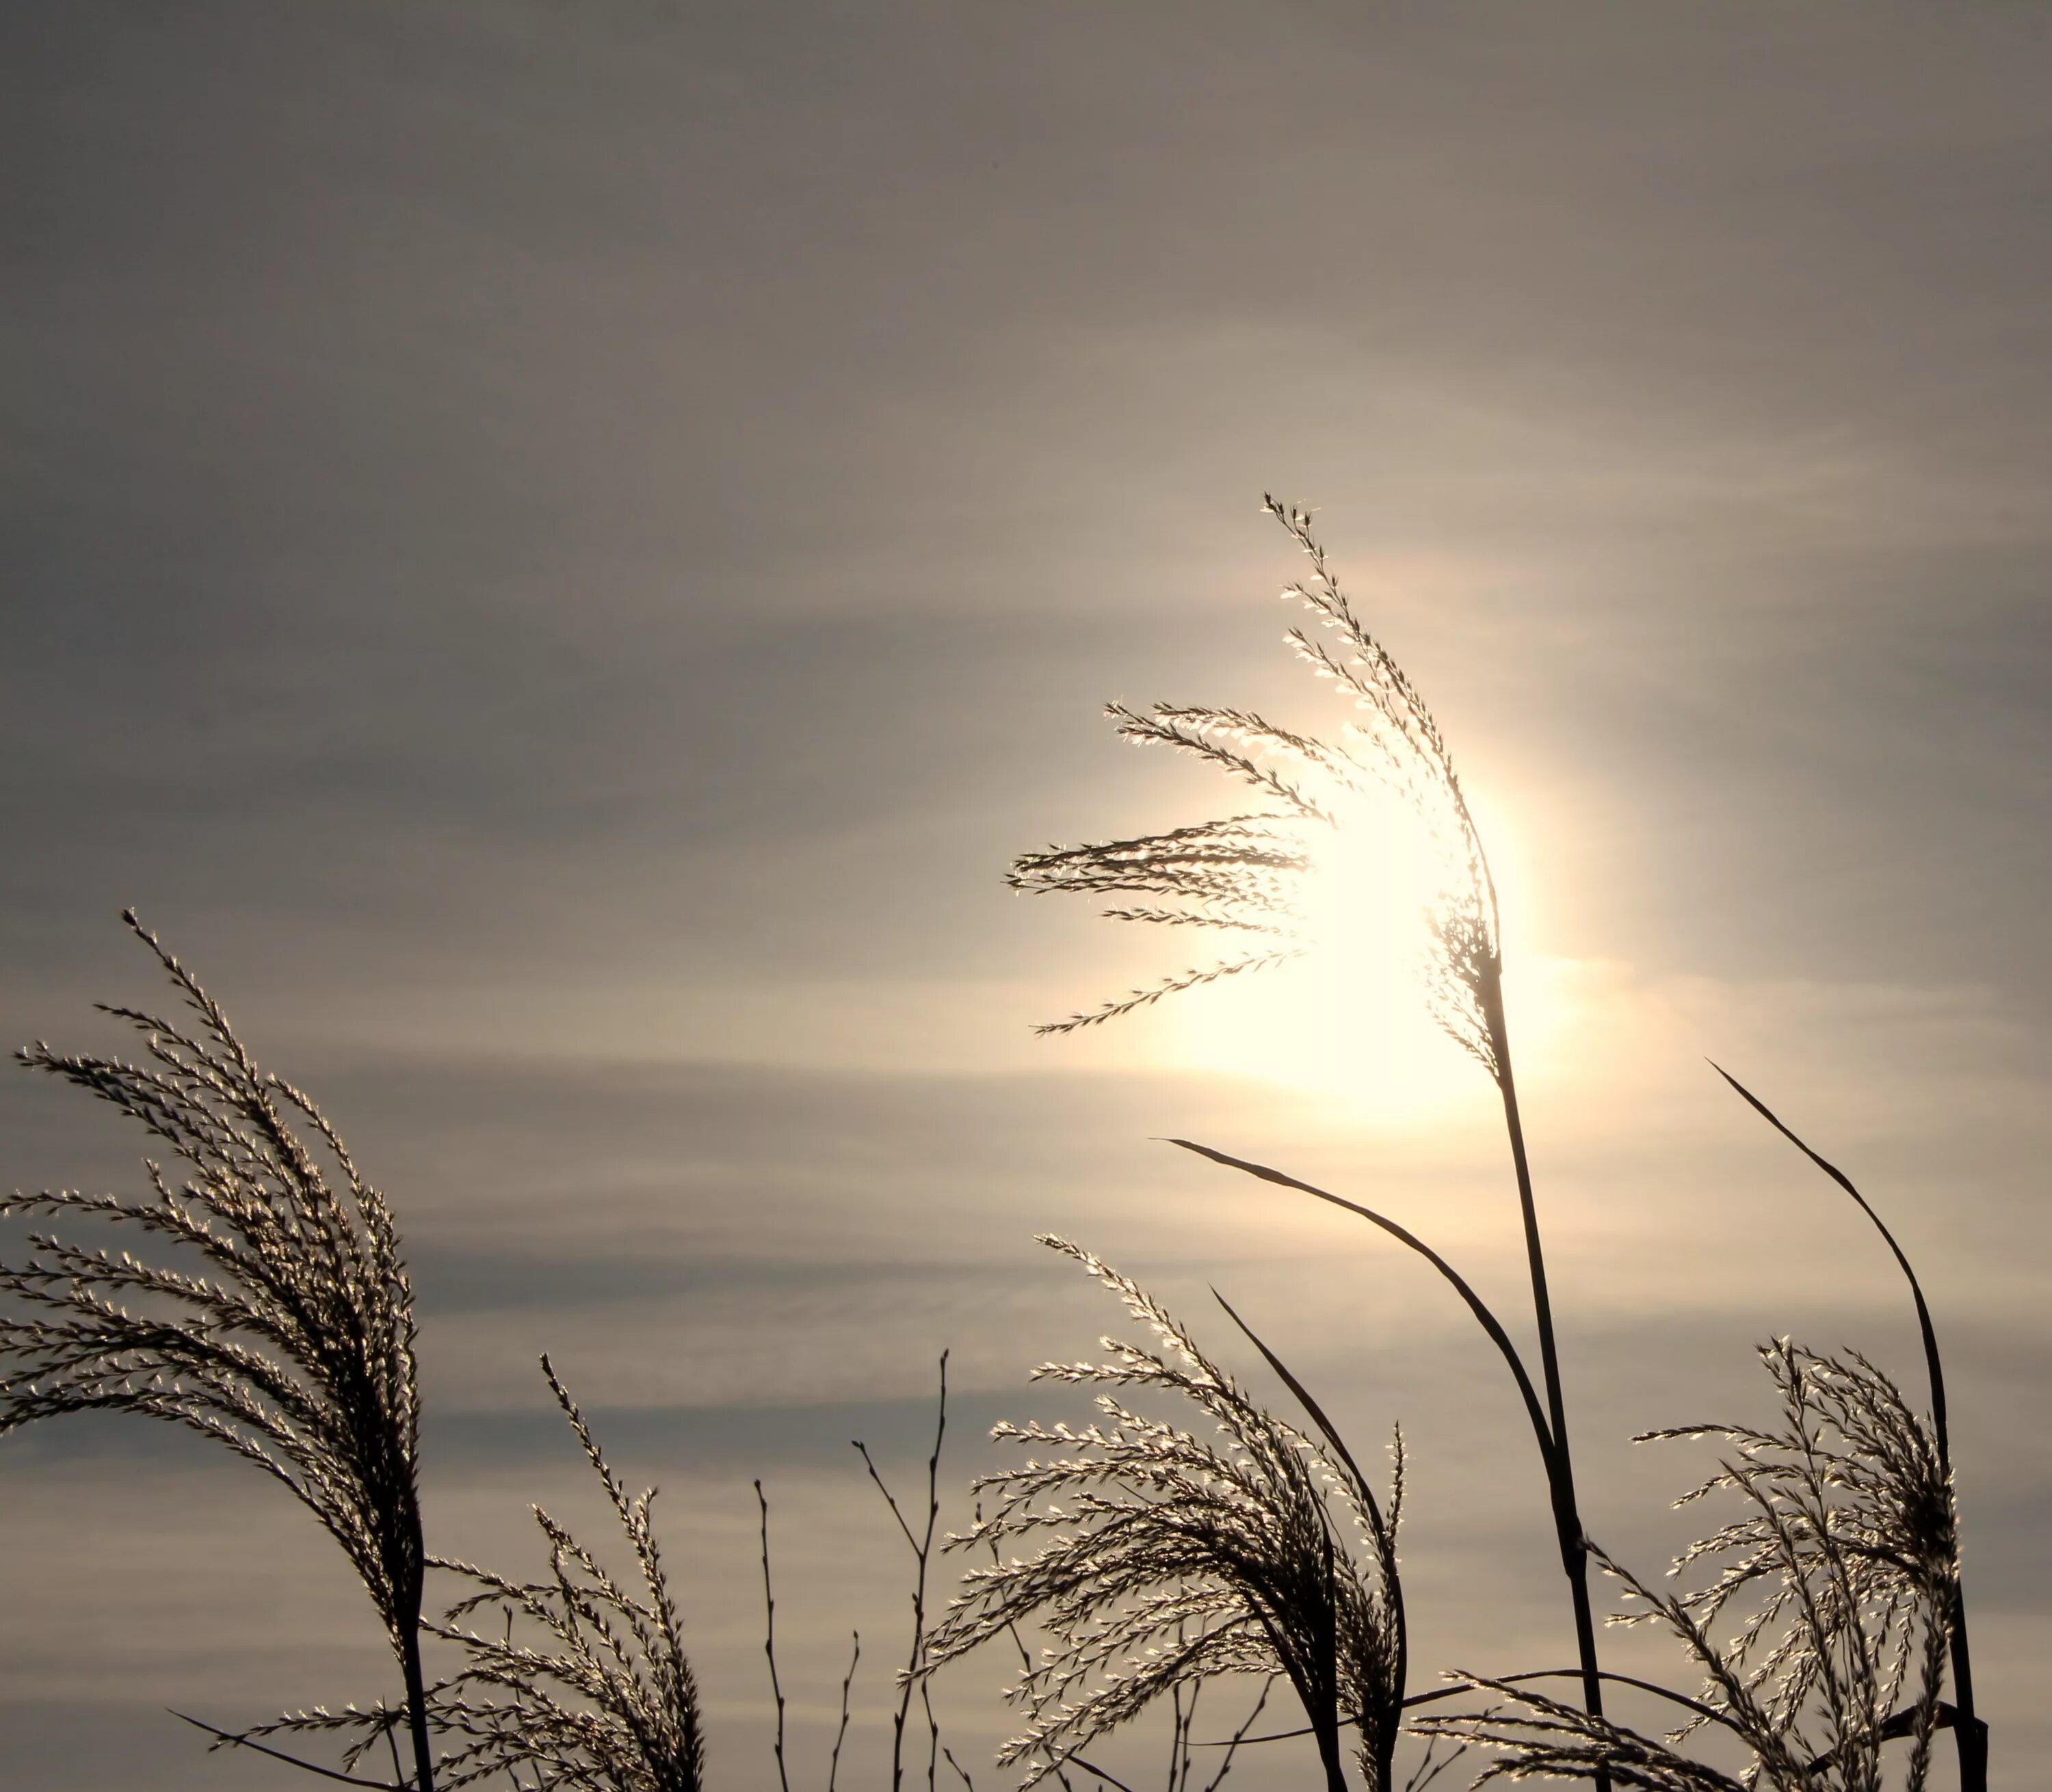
(1352, 1020)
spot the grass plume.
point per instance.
(280, 1323)
(1162, 1559)
(1244, 873)
(1970, 1732)
(585, 1687)
(1821, 1634)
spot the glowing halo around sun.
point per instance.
(1350, 1021)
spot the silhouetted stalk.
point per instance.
(417, 1695)
(1561, 1471)
(280, 1323)
(1970, 1733)
(769, 1637)
(840, 1736)
(921, 1546)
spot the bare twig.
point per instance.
(920, 1543)
(840, 1736)
(769, 1637)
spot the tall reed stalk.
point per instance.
(1243, 874)
(286, 1333)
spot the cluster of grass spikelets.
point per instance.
(586, 1688)
(1821, 1635)
(280, 1327)
(1241, 874)
(1160, 1560)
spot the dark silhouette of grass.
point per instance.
(1163, 1560)
(281, 1325)
(586, 1686)
(1240, 875)
(281, 1328)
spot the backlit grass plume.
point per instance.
(1254, 873)
(1161, 1558)
(573, 1681)
(599, 1693)
(1822, 1634)
(279, 1324)
(1244, 874)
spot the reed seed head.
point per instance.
(278, 1324)
(1246, 873)
(1821, 1632)
(1161, 1558)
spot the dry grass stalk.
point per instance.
(1245, 873)
(920, 1543)
(1176, 1560)
(286, 1334)
(1821, 1635)
(586, 1686)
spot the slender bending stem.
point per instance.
(417, 1708)
(770, 1638)
(412, 1577)
(922, 1546)
(1566, 1518)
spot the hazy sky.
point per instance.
(556, 552)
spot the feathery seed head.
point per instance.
(281, 1325)
(1280, 873)
(1161, 1560)
(572, 1683)
(1822, 1631)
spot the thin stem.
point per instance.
(840, 1736)
(1566, 1518)
(1090, 1767)
(1232, 1744)
(769, 1637)
(392, 1745)
(236, 1740)
(417, 1696)
(921, 1546)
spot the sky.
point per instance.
(556, 553)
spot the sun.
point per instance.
(1350, 1021)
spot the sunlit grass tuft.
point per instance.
(1161, 1560)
